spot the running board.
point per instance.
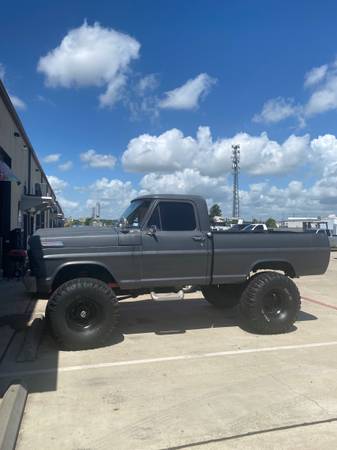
(167, 296)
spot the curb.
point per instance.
(29, 349)
(11, 411)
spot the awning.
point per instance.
(35, 202)
(6, 173)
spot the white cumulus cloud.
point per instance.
(260, 156)
(277, 109)
(324, 152)
(172, 151)
(18, 103)
(147, 83)
(189, 94)
(324, 95)
(261, 199)
(97, 160)
(64, 167)
(68, 204)
(315, 75)
(91, 56)
(187, 181)
(322, 82)
(57, 184)
(183, 170)
(113, 194)
(52, 158)
(2, 72)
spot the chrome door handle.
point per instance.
(198, 238)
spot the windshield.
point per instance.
(135, 213)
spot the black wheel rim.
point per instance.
(83, 314)
(275, 305)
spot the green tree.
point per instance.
(88, 221)
(215, 211)
(271, 223)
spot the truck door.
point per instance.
(128, 268)
(175, 251)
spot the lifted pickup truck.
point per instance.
(165, 242)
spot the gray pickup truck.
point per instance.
(165, 242)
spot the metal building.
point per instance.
(27, 201)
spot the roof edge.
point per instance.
(170, 196)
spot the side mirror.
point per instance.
(123, 223)
(152, 230)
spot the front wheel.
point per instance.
(270, 303)
(82, 313)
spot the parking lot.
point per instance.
(182, 374)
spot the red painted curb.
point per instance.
(319, 303)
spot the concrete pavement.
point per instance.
(158, 387)
(15, 304)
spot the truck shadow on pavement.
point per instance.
(178, 316)
(136, 317)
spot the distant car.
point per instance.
(255, 228)
(219, 227)
(333, 241)
(237, 227)
(218, 223)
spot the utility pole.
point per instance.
(236, 169)
(98, 210)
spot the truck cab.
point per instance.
(174, 238)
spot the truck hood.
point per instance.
(78, 238)
(75, 232)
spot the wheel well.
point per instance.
(283, 266)
(82, 270)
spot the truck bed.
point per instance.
(236, 255)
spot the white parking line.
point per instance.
(166, 359)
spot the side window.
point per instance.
(154, 219)
(177, 216)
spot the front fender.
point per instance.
(77, 266)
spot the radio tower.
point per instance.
(236, 169)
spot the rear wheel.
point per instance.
(82, 313)
(223, 296)
(270, 303)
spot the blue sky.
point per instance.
(126, 97)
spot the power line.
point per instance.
(236, 170)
